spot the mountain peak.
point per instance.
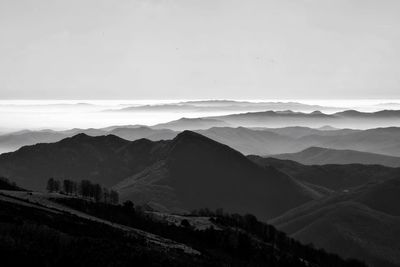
(349, 112)
(80, 136)
(188, 134)
(316, 112)
(327, 128)
(314, 149)
(190, 137)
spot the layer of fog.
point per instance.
(18, 115)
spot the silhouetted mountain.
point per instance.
(103, 159)
(320, 156)
(188, 172)
(14, 141)
(362, 223)
(261, 141)
(334, 177)
(199, 172)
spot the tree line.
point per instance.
(6, 184)
(83, 188)
(238, 240)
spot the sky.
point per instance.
(199, 49)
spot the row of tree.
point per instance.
(84, 188)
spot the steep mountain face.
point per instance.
(189, 172)
(199, 172)
(362, 223)
(320, 156)
(332, 176)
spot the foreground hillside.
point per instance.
(43, 230)
(170, 175)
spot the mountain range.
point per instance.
(172, 175)
(259, 141)
(358, 215)
(315, 119)
(345, 203)
(224, 106)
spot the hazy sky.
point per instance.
(171, 49)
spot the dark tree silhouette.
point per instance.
(114, 197)
(84, 188)
(97, 192)
(51, 185)
(128, 205)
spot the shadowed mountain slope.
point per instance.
(103, 159)
(199, 172)
(362, 223)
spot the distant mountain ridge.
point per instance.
(333, 177)
(315, 119)
(320, 156)
(191, 124)
(260, 141)
(225, 106)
